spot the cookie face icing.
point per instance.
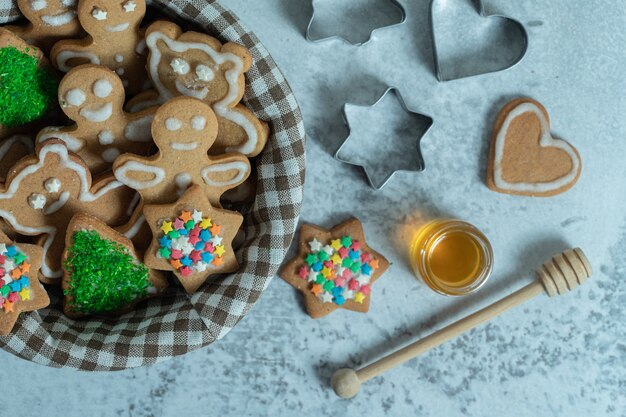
(197, 65)
(93, 97)
(525, 158)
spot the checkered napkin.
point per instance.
(176, 323)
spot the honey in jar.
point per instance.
(452, 257)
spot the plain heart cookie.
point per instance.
(525, 159)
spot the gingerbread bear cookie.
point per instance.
(42, 193)
(197, 65)
(334, 268)
(20, 290)
(524, 158)
(27, 88)
(102, 271)
(192, 238)
(113, 41)
(49, 22)
(93, 97)
(184, 129)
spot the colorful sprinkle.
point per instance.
(195, 243)
(339, 271)
(14, 285)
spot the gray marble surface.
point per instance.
(550, 357)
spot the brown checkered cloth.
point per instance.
(176, 323)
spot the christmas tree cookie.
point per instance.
(334, 268)
(20, 290)
(102, 272)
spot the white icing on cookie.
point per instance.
(37, 5)
(180, 66)
(177, 146)
(37, 201)
(65, 56)
(130, 6)
(106, 137)
(204, 73)
(119, 58)
(241, 167)
(198, 123)
(120, 71)
(75, 97)
(57, 205)
(60, 19)
(118, 28)
(183, 180)
(102, 88)
(173, 124)
(222, 107)
(121, 174)
(99, 14)
(136, 227)
(73, 144)
(98, 114)
(139, 130)
(110, 155)
(546, 140)
(52, 185)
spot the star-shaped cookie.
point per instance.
(192, 238)
(334, 268)
(20, 290)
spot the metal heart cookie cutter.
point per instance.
(383, 162)
(462, 62)
(357, 9)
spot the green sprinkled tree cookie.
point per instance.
(102, 272)
(27, 90)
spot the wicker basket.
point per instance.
(177, 323)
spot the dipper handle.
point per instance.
(562, 273)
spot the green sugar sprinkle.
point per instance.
(26, 90)
(104, 277)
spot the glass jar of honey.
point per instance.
(452, 257)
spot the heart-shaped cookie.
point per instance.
(525, 159)
(468, 41)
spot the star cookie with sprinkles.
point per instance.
(334, 268)
(20, 290)
(192, 238)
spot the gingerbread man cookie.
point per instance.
(20, 290)
(114, 37)
(334, 268)
(93, 97)
(42, 193)
(184, 129)
(525, 159)
(192, 238)
(50, 21)
(197, 65)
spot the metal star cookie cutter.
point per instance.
(309, 38)
(482, 12)
(425, 123)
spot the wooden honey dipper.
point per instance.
(561, 274)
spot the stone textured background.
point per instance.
(562, 357)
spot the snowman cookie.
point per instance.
(113, 41)
(184, 129)
(42, 192)
(49, 22)
(197, 65)
(93, 97)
